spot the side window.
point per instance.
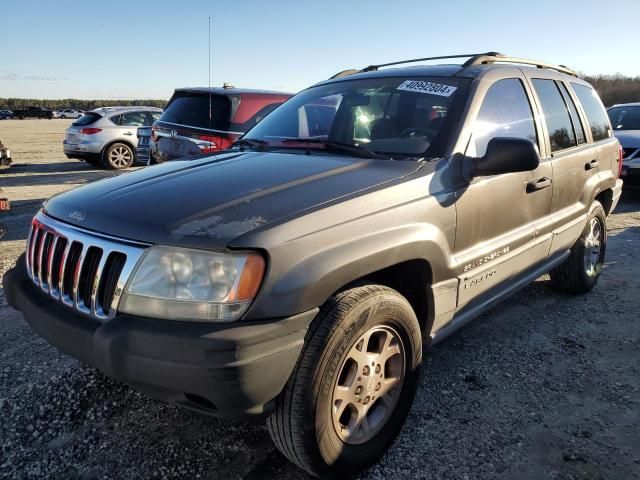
(556, 115)
(116, 119)
(133, 119)
(575, 118)
(505, 112)
(156, 115)
(593, 108)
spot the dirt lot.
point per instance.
(544, 386)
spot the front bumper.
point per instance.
(232, 370)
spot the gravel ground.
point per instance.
(544, 386)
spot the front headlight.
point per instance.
(184, 284)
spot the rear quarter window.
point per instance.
(86, 119)
(594, 110)
(192, 109)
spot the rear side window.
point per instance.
(253, 119)
(593, 108)
(505, 112)
(556, 115)
(86, 119)
(192, 109)
(575, 118)
(134, 119)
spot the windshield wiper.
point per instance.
(251, 143)
(354, 150)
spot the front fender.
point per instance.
(305, 271)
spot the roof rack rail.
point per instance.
(499, 58)
(466, 55)
(474, 59)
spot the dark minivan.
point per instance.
(207, 120)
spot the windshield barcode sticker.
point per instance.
(427, 87)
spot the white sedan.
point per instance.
(68, 113)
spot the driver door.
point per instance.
(497, 233)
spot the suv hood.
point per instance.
(207, 202)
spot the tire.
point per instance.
(581, 270)
(118, 156)
(304, 426)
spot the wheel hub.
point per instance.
(592, 247)
(368, 385)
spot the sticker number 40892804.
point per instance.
(420, 86)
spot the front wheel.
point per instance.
(581, 270)
(354, 383)
(118, 156)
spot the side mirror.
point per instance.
(508, 155)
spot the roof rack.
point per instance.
(371, 68)
(474, 59)
(494, 57)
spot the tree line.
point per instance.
(611, 88)
(615, 89)
(74, 103)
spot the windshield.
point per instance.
(405, 116)
(625, 118)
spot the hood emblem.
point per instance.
(77, 215)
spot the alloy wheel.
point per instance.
(368, 385)
(120, 157)
(592, 247)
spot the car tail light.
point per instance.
(154, 135)
(620, 157)
(215, 143)
(90, 131)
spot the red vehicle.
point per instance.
(206, 120)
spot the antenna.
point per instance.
(210, 109)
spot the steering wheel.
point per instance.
(417, 132)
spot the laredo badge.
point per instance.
(427, 87)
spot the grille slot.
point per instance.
(83, 271)
(88, 275)
(56, 263)
(112, 269)
(70, 267)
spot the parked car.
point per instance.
(55, 114)
(107, 136)
(6, 114)
(186, 129)
(69, 113)
(299, 275)
(33, 112)
(625, 119)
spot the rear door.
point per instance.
(573, 158)
(497, 234)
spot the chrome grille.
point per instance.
(84, 271)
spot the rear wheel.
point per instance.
(118, 156)
(581, 270)
(354, 383)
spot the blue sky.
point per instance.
(145, 49)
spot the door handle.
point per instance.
(591, 165)
(539, 184)
(127, 133)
